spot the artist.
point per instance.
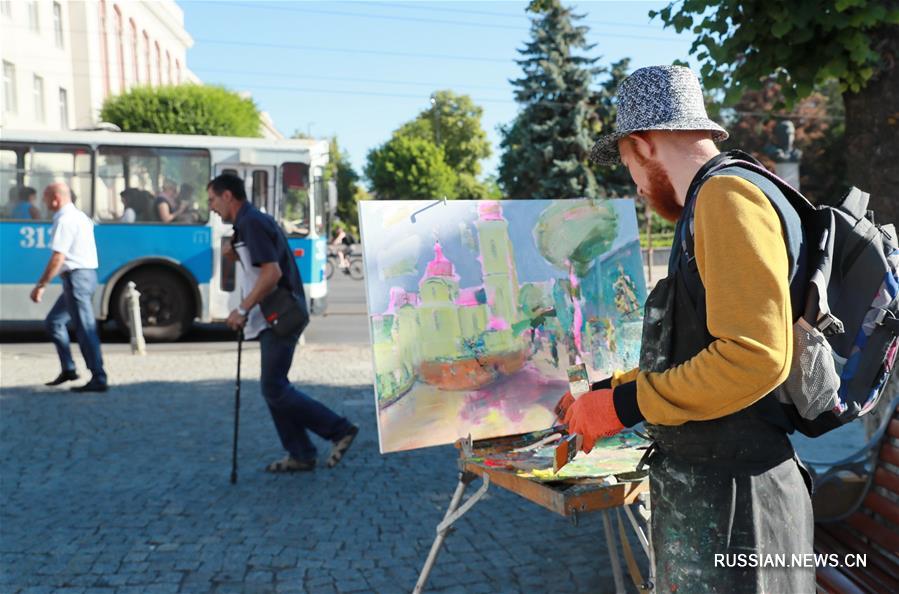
(717, 339)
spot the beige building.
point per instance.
(61, 59)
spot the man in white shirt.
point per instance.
(75, 259)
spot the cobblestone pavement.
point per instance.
(128, 492)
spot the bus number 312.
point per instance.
(34, 237)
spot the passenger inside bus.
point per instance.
(128, 199)
(138, 205)
(12, 197)
(167, 208)
(25, 206)
(186, 202)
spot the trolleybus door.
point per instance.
(259, 181)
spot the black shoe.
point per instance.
(63, 377)
(291, 464)
(341, 445)
(91, 386)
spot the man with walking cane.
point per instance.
(271, 282)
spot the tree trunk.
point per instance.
(872, 133)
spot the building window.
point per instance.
(38, 93)
(10, 104)
(158, 64)
(63, 109)
(134, 52)
(34, 21)
(149, 79)
(168, 66)
(177, 72)
(120, 46)
(57, 24)
(104, 52)
(6, 8)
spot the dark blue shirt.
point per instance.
(267, 243)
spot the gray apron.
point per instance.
(730, 500)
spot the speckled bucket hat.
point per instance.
(656, 98)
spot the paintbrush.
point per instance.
(566, 450)
(570, 445)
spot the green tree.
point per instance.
(406, 168)
(453, 123)
(183, 109)
(545, 149)
(341, 171)
(801, 44)
(615, 181)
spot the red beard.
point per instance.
(660, 194)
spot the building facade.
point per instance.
(62, 59)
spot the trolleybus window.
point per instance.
(35, 167)
(9, 188)
(137, 178)
(295, 198)
(260, 188)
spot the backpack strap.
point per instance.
(787, 202)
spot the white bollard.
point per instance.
(138, 345)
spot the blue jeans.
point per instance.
(293, 411)
(75, 305)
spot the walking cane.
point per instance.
(236, 408)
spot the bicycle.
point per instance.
(355, 270)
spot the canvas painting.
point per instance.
(477, 309)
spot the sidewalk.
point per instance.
(127, 492)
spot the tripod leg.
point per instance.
(465, 479)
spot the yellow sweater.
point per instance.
(742, 260)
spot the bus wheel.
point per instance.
(166, 305)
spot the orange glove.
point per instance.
(562, 406)
(593, 416)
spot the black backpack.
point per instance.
(844, 284)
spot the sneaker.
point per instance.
(341, 445)
(63, 377)
(290, 464)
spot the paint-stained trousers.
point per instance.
(717, 530)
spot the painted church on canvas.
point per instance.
(477, 308)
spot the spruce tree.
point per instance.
(545, 149)
(614, 180)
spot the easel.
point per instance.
(568, 500)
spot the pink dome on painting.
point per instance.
(440, 266)
(490, 210)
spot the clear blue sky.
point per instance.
(358, 70)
